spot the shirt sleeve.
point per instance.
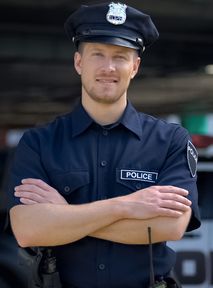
(26, 164)
(179, 169)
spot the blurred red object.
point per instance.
(202, 141)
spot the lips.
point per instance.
(106, 80)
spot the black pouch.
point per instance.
(41, 266)
(172, 282)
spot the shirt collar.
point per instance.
(80, 120)
(130, 119)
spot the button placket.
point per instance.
(102, 172)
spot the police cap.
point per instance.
(112, 23)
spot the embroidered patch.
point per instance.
(116, 14)
(192, 158)
(144, 176)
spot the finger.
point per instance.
(27, 201)
(176, 198)
(37, 182)
(164, 212)
(172, 189)
(38, 195)
(173, 205)
(31, 188)
(31, 196)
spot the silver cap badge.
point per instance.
(117, 13)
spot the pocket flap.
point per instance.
(70, 181)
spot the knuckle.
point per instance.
(33, 188)
(39, 181)
(159, 202)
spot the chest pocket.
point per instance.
(73, 185)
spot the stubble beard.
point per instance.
(103, 97)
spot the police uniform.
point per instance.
(86, 162)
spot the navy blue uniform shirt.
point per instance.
(86, 162)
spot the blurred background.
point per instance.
(175, 82)
(38, 80)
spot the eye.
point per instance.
(97, 54)
(121, 57)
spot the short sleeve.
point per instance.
(26, 164)
(179, 170)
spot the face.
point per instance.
(106, 71)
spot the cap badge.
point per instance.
(117, 13)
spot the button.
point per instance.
(103, 163)
(138, 186)
(101, 266)
(66, 189)
(105, 132)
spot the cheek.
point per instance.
(127, 70)
(88, 69)
(128, 74)
(87, 76)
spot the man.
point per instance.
(93, 181)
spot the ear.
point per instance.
(77, 62)
(136, 66)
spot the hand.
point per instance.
(155, 201)
(33, 191)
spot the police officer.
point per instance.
(91, 182)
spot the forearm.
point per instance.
(57, 224)
(50, 225)
(133, 231)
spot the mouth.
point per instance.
(106, 81)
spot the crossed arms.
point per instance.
(46, 219)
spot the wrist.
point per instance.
(119, 207)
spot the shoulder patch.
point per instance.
(192, 158)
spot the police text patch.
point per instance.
(192, 158)
(144, 176)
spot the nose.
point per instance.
(109, 65)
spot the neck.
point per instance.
(104, 113)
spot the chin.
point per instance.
(108, 99)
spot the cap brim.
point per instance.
(111, 40)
